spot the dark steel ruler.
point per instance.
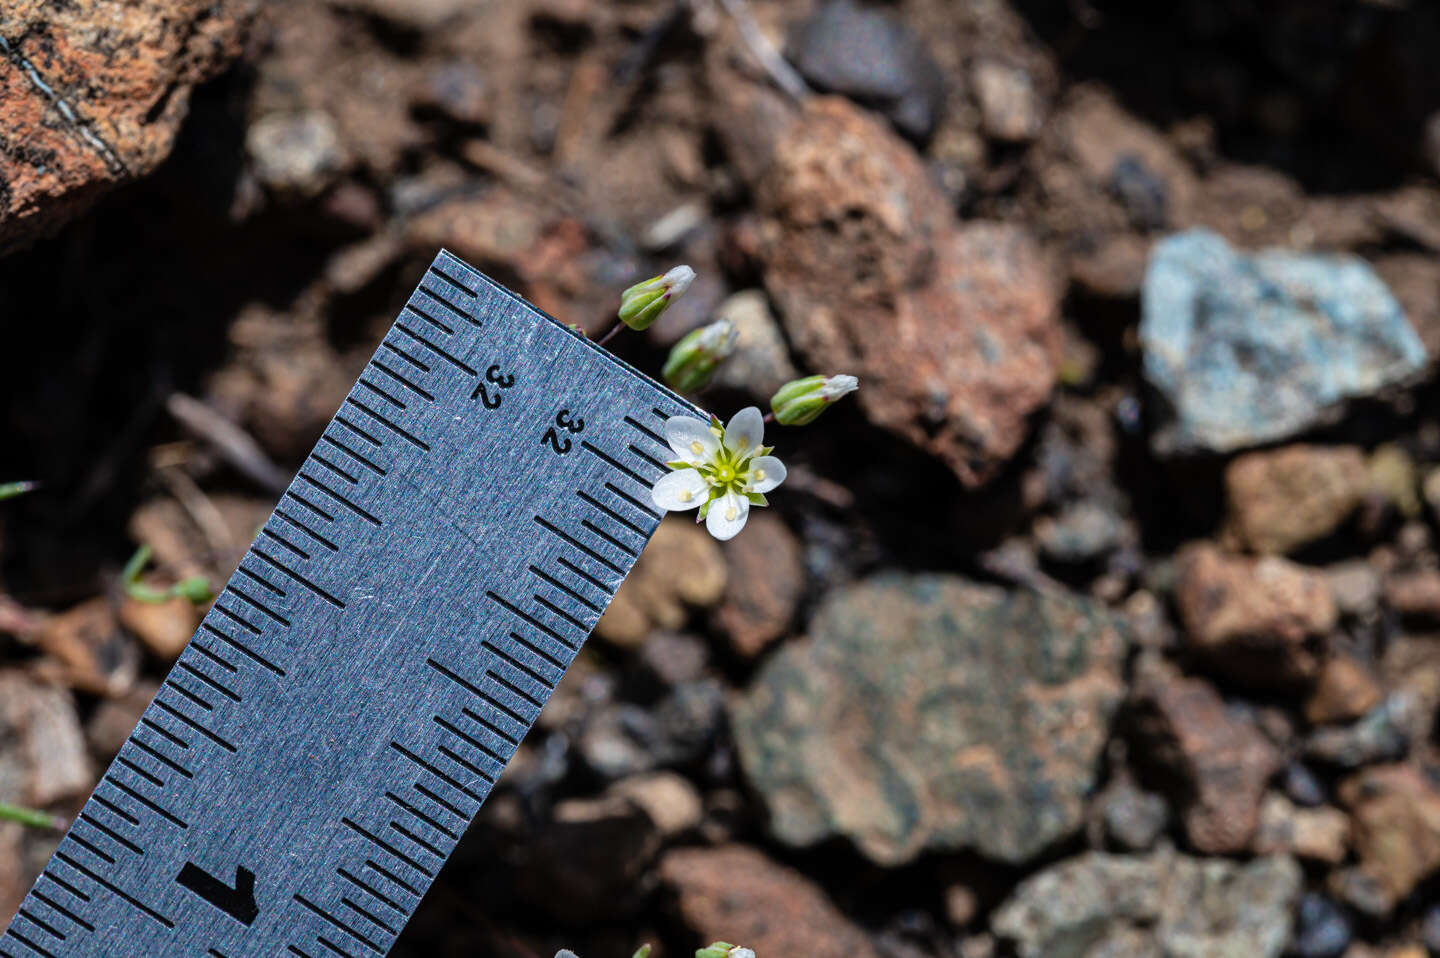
(391, 635)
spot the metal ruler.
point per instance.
(360, 684)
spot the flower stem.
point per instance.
(30, 817)
(610, 335)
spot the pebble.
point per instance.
(1247, 349)
(1323, 928)
(873, 58)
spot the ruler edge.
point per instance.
(595, 347)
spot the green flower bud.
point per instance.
(642, 952)
(9, 490)
(693, 360)
(718, 949)
(642, 304)
(800, 401)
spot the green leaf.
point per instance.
(642, 952)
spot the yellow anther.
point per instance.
(759, 474)
(732, 514)
(696, 447)
(686, 495)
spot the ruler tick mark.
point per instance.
(251, 600)
(418, 364)
(49, 929)
(586, 497)
(243, 649)
(397, 800)
(145, 909)
(368, 917)
(152, 779)
(633, 501)
(520, 613)
(402, 380)
(326, 463)
(358, 510)
(615, 464)
(565, 589)
(339, 924)
(371, 890)
(432, 849)
(458, 786)
(187, 720)
(470, 740)
(381, 393)
(79, 840)
(647, 431)
(452, 360)
(429, 319)
(579, 545)
(160, 757)
(28, 943)
(114, 835)
(382, 844)
(403, 433)
(61, 909)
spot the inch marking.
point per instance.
(633, 501)
(661, 440)
(408, 436)
(168, 816)
(419, 390)
(459, 787)
(120, 893)
(374, 467)
(470, 740)
(377, 895)
(454, 361)
(358, 510)
(298, 578)
(339, 924)
(362, 433)
(429, 319)
(205, 704)
(362, 381)
(228, 693)
(307, 530)
(586, 497)
(114, 835)
(442, 803)
(418, 364)
(391, 796)
(451, 280)
(62, 910)
(566, 589)
(580, 545)
(381, 843)
(251, 600)
(615, 464)
(533, 621)
(242, 648)
(187, 720)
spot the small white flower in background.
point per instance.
(642, 304)
(722, 471)
(723, 949)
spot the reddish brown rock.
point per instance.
(766, 578)
(735, 893)
(952, 330)
(1251, 618)
(1318, 834)
(1415, 595)
(1395, 815)
(1286, 498)
(1344, 690)
(1220, 761)
(87, 650)
(92, 93)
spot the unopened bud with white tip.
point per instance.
(642, 304)
(800, 401)
(695, 358)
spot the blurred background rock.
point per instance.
(1105, 622)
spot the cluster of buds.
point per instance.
(721, 470)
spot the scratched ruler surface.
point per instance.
(391, 635)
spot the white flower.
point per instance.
(722, 471)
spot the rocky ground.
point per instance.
(1105, 622)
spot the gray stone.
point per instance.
(927, 712)
(761, 363)
(1248, 349)
(1381, 734)
(1082, 532)
(1161, 906)
(875, 60)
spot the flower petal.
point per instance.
(727, 516)
(680, 491)
(691, 439)
(766, 473)
(745, 432)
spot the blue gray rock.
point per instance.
(1248, 349)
